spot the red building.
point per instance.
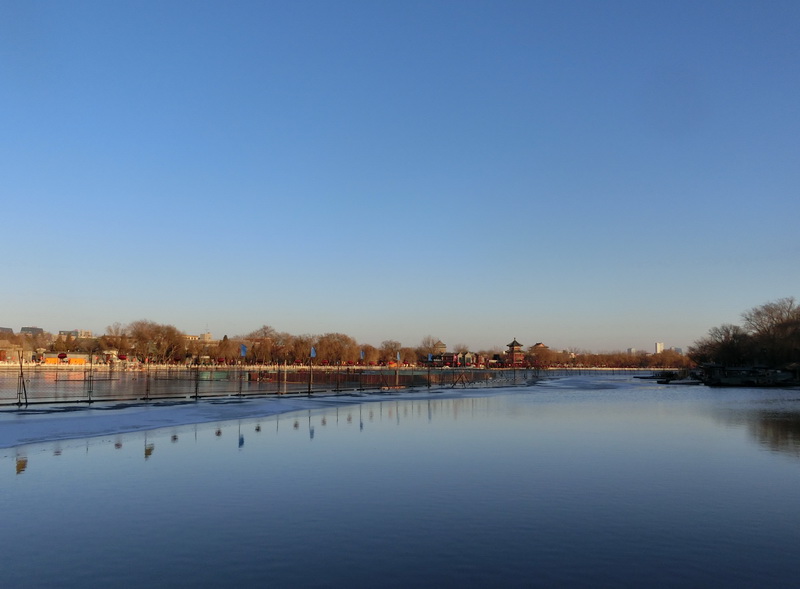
(514, 355)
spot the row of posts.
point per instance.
(90, 382)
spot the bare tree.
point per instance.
(226, 349)
(726, 344)
(775, 328)
(156, 342)
(262, 342)
(427, 345)
(461, 349)
(408, 356)
(299, 348)
(336, 348)
(767, 319)
(389, 349)
(371, 354)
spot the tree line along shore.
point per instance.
(769, 336)
(148, 342)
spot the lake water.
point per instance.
(575, 482)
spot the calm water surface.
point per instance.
(574, 482)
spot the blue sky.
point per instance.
(594, 175)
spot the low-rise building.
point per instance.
(31, 331)
(10, 352)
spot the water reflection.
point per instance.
(393, 411)
(776, 430)
(534, 488)
(779, 432)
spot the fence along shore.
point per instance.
(46, 384)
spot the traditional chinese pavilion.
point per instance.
(514, 355)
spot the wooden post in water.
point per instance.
(311, 357)
(361, 371)
(22, 390)
(430, 361)
(90, 378)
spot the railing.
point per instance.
(87, 384)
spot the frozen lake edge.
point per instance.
(38, 424)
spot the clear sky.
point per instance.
(594, 175)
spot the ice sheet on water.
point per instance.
(38, 424)
(43, 424)
(584, 383)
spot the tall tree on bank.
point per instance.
(427, 346)
(775, 329)
(389, 349)
(770, 337)
(155, 342)
(262, 344)
(336, 348)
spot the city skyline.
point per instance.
(592, 175)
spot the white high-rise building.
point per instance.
(659, 347)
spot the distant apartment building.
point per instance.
(75, 334)
(203, 337)
(631, 351)
(31, 331)
(659, 347)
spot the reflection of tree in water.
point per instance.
(780, 432)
